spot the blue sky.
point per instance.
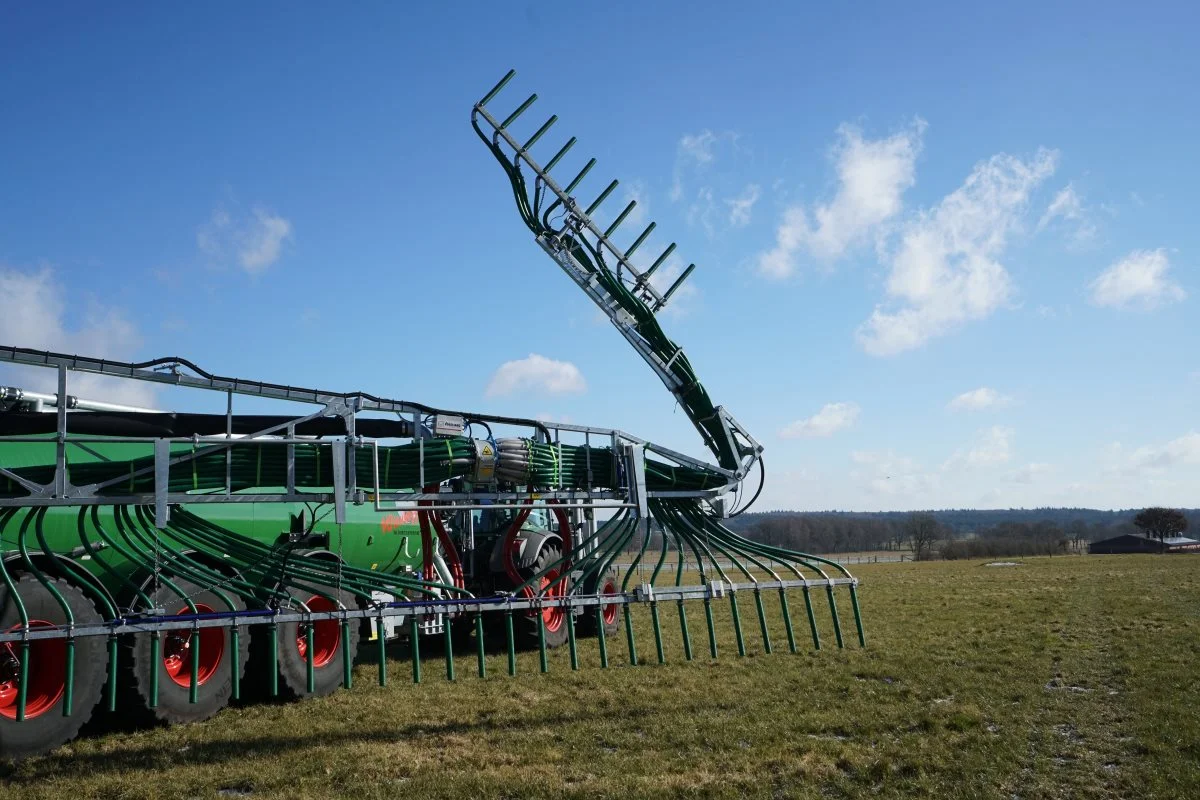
(947, 256)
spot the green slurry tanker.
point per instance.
(162, 564)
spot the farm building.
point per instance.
(1137, 543)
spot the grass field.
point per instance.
(1063, 677)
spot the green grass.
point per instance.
(1063, 677)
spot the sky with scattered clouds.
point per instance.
(946, 255)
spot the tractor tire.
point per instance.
(328, 643)
(554, 618)
(214, 684)
(44, 727)
(607, 583)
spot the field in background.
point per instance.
(1062, 677)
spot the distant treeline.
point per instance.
(960, 533)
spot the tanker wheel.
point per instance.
(45, 727)
(217, 659)
(610, 612)
(327, 646)
(554, 618)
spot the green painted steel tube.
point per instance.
(638, 241)
(862, 636)
(23, 681)
(737, 623)
(601, 637)
(683, 629)
(658, 642)
(543, 663)
(155, 661)
(309, 662)
(381, 635)
(571, 644)
(557, 156)
(762, 621)
(414, 646)
(837, 626)
(480, 649)
(194, 678)
(511, 118)
(69, 686)
(582, 174)
(347, 657)
(512, 645)
(629, 637)
(496, 89)
(787, 619)
(235, 673)
(545, 127)
(603, 196)
(620, 218)
(658, 262)
(448, 646)
(712, 629)
(273, 639)
(812, 619)
(112, 672)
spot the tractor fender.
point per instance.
(531, 542)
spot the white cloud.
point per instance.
(255, 242)
(872, 178)
(889, 474)
(1067, 205)
(1030, 473)
(1184, 450)
(992, 446)
(695, 151)
(1138, 281)
(741, 206)
(978, 400)
(945, 272)
(832, 418)
(702, 211)
(38, 314)
(536, 373)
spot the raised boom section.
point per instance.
(570, 235)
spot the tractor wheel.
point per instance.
(611, 613)
(217, 659)
(554, 618)
(44, 726)
(327, 644)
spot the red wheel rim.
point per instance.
(552, 616)
(177, 651)
(47, 673)
(610, 609)
(327, 634)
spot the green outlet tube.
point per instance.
(683, 629)
(812, 619)
(112, 672)
(557, 156)
(638, 241)
(448, 646)
(235, 673)
(382, 636)
(762, 621)
(69, 686)
(621, 218)
(414, 646)
(571, 645)
(155, 666)
(837, 625)
(512, 645)
(678, 282)
(602, 637)
(543, 664)
(582, 174)
(862, 637)
(658, 642)
(737, 623)
(194, 678)
(603, 196)
(712, 629)
(787, 620)
(480, 650)
(309, 663)
(545, 127)
(520, 110)
(658, 262)
(496, 89)
(23, 681)
(347, 657)
(273, 637)
(633, 656)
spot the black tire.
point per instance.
(174, 665)
(607, 583)
(328, 643)
(45, 727)
(554, 618)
